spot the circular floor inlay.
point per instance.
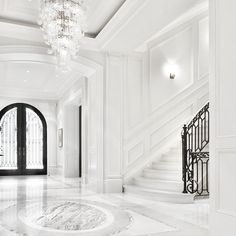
(70, 216)
(67, 216)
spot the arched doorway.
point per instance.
(23, 140)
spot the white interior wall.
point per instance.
(71, 140)
(223, 116)
(145, 110)
(176, 51)
(68, 120)
(115, 72)
(48, 109)
(143, 107)
(156, 107)
(88, 92)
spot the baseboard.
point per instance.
(55, 170)
(113, 185)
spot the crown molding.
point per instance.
(199, 10)
(125, 13)
(21, 31)
(119, 21)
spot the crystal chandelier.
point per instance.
(63, 23)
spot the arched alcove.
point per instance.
(91, 83)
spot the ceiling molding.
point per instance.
(80, 68)
(126, 13)
(19, 22)
(31, 25)
(24, 49)
(22, 32)
(199, 10)
(112, 14)
(32, 34)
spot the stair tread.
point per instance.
(166, 164)
(150, 169)
(161, 162)
(158, 180)
(171, 157)
(154, 190)
(169, 160)
(172, 154)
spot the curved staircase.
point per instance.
(162, 180)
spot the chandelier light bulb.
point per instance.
(64, 24)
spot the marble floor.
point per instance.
(44, 206)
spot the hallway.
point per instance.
(34, 206)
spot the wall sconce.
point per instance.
(172, 75)
(171, 70)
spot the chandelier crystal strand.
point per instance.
(63, 23)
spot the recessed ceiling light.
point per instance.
(25, 80)
(27, 71)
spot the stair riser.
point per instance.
(184, 199)
(175, 152)
(162, 180)
(160, 166)
(171, 160)
(162, 176)
(159, 186)
(172, 156)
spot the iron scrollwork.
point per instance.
(195, 157)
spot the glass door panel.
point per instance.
(8, 140)
(34, 140)
(23, 140)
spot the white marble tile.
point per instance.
(149, 226)
(45, 206)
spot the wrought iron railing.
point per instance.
(195, 158)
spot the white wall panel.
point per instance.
(135, 152)
(223, 116)
(203, 47)
(71, 140)
(226, 162)
(114, 122)
(177, 50)
(157, 135)
(134, 94)
(157, 107)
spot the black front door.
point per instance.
(23, 141)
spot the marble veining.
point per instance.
(51, 206)
(70, 216)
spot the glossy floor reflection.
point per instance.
(55, 206)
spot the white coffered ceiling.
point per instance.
(20, 10)
(34, 79)
(113, 25)
(26, 12)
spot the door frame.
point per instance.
(21, 140)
